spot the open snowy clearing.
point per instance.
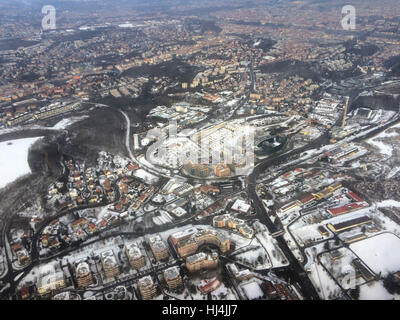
(252, 290)
(388, 203)
(64, 123)
(146, 176)
(383, 148)
(381, 253)
(14, 159)
(376, 291)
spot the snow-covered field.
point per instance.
(64, 123)
(388, 203)
(14, 159)
(146, 176)
(383, 148)
(381, 253)
(326, 286)
(252, 290)
(376, 291)
(307, 234)
(277, 257)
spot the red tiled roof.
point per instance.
(354, 196)
(346, 208)
(338, 210)
(307, 199)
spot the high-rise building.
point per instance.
(110, 265)
(159, 248)
(83, 274)
(187, 242)
(135, 256)
(226, 220)
(222, 170)
(220, 221)
(147, 288)
(50, 283)
(198, 170)
(173, 278)
(201, 261)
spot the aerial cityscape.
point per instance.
(199, 150)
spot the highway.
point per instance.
(295, 268)
(301, 277)
(308, 289)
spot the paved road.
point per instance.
(301, 277)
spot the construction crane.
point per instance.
(345, 112)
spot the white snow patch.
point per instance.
(383, 147)
(14, 159)
(381, 253)
(376, 291)
(146, 176)
(252, 290)
(388, 203)
(64, 123)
